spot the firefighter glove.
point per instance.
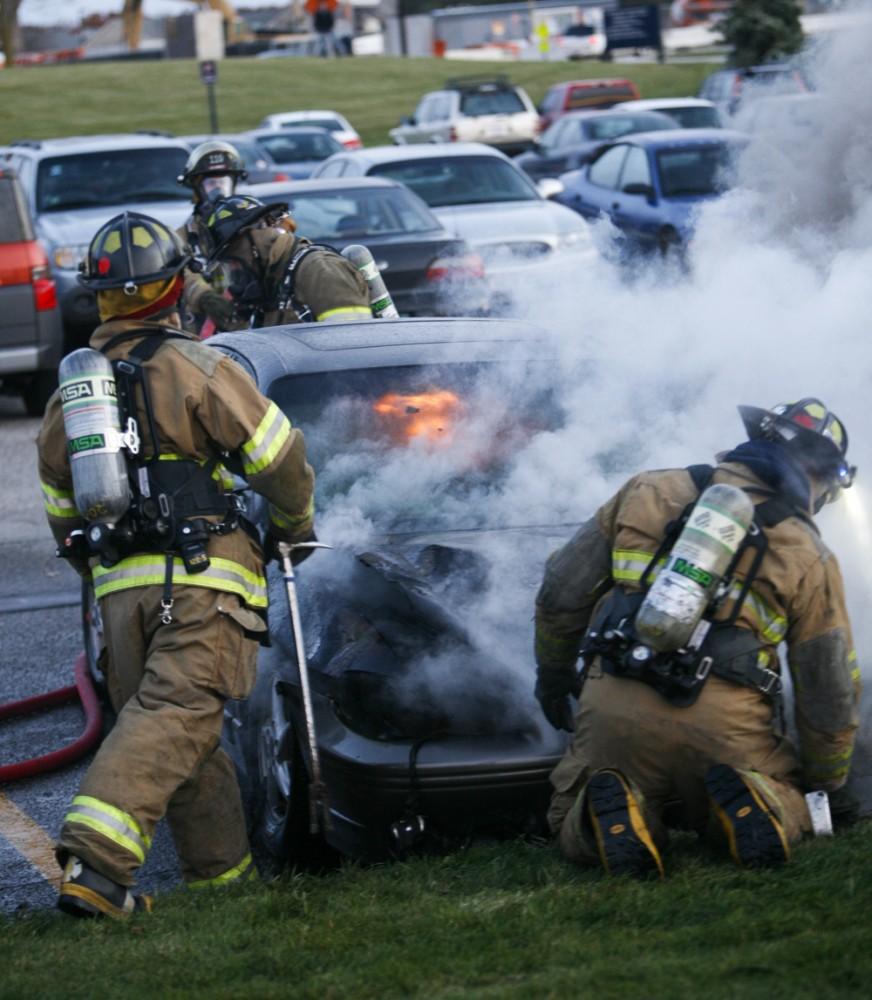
(221, 311)
(271, 548)
(844, 807)
(553, 696)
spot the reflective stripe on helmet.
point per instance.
(245, 867)
(150, 570)
(118, 826)
(260, 451)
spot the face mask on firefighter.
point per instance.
(215, 188)
(241, 280)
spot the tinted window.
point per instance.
(327, 123)
(112, 177)
(614, 126)
(694, 117)
(697, 171)
(600, 94)
(605, 171)
(14, 225)
(636, 169)
(460, 180)
(491, 102)
(326, 215)
(292, 146)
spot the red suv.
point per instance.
(573, 95)
(31, 337)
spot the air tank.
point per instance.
(93, 429)
(379, 297)
(676, 601)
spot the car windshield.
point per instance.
(293, 146)
(110, 177)
(326, 215)
(613, 126)
(460, 180)
(330, 124)
(474, 103)
(694, 117)
(697, 170)
(415, 447)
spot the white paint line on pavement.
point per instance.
(29, 839)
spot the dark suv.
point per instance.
(30, 329)
(74, 185)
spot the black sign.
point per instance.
(633, 28)
(208, 71)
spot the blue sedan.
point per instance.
(651, 185)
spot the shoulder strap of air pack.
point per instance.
(287, 295)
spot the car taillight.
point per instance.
(352, 143)
(452, 134)
(281, 177)
(456, 268)
(45, 294)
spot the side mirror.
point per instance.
(550, 187)
(644, 189)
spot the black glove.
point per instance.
(553, 696)
(221, 311)
(271, 548)
(844, 807)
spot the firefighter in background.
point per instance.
(212, 172)
(277, 277)
(180, 582)
(636, 755)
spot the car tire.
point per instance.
(668, 243)
(38, 392)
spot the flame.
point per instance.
(429, 415)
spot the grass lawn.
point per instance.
(511, 920)
(373, 93)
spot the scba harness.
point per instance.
(721, 648)
(285, 296)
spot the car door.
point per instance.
(441, 116)
(594, 191)
(415, 128)
(635, 209)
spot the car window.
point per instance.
(694, 117)
(460, 180)
(333, 169)
(606, 170)
(552, 137)
(110, 177)
(424, 111)
(330, 124)
(490, 102)
(610, 127)
(441, 108)
(551, 101)
(291, 146)
(326, 215)
(636, 169)
(700, 170)
(600, 94)
(14, 220)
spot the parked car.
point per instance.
(728, 89)
(481, 197)
(428, 271)
(297, 151)
(338, 126)
(74, 185)
(575, 138)
(575, 95)
(652, 185)
(259, 165)
(688, 112)
(31, 337)
(795, 119)
(427, 730)
(492, 111)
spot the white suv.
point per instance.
(492, 111)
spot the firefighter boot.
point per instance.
(614, 812)
(87, 893)
(755, 835)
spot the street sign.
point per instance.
(208, 71)
(633, 28)
(209, 35)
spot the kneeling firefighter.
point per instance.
(677, 594)
(143, 501)
(275, 276)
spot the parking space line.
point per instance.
(29, 839)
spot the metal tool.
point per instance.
(319, 814)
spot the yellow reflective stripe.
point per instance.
(119, 827)
(282, 520)
(772, 626)
(95, 824)
(57, 502)
(223, 476)
(629, 564)
(146, 571)
(117, 814)
(350, 311)
(259, 452)
(229, 876)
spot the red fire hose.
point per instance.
(84, 690)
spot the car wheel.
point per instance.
(668, 243)
(38, 391)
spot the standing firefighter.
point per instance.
(688, 731)
(212, 172)
(179, 575)
(277, 277)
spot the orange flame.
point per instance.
(429, 415)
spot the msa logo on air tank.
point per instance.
(85, 390)
(87, 442)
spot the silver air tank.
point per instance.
(675, 603)
(379, 297)
(94, 442)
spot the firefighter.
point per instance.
(643, 751)
(277, 277)
(180, 578)
(212, 172)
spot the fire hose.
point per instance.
(83, 689)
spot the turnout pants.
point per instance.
(168, 684)
(665, 752)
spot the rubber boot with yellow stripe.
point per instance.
(755, 835)
(614, 811)
(87, 893)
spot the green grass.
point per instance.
(373, 93)
(511, 920)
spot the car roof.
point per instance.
(619, 110)
(289, 188)
(422, 151)
(92, 144)
(655, 103)
(684, 137)
(303, 115)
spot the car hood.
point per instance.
(502, 220)
(78, 226)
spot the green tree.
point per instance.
(759, 30)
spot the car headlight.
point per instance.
(67, 258)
